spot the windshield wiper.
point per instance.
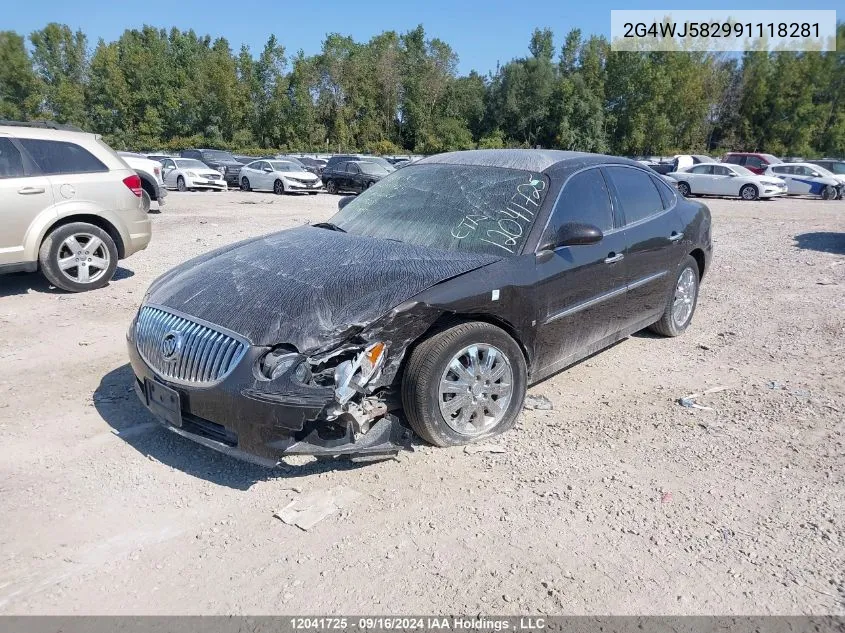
(329, 226)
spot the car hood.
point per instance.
(309, 287)
(305, 175)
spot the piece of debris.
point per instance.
(666, 497)
(690, 403)
(471, 449)
(539, 403)
(306, 511)
(774, 384)
(826, 283)
(703, 346)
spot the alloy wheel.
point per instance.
(83, 258)
(475, 389)
(684, 301)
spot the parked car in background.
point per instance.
(279, 176)
(834, 166)
(721, 179)
(752, 161)
(682, 161)
(151, 179)
(342, 158)
(314, 165)
(188, 174)
(443, 292)
(807, 179)
(70, 206)
(219, 161)
(352, 175)
(158, 157)
(298, 162)
(244, 160)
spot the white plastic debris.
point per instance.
(306, 511)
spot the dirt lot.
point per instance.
(618, 500)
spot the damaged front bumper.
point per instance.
(262, 421)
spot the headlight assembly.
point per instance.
(350, 376)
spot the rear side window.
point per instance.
(585, 199)
(61, 157)
(636, 192)
(11, 161)
(667, 195)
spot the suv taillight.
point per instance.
(134, 183)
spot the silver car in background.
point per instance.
(278, 176)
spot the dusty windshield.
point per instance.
(450, 207)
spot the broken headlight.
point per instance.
(350, 376)
(279, 361)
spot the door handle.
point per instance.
(28, 191)
(676, 236)
(612, 258)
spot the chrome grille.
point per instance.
(204, 355)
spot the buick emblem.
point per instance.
(171, 345)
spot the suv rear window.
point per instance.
(11, 163)
(61, 157)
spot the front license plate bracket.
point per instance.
(164, 402)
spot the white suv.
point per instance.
(69, 205)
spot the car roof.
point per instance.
(527, 159)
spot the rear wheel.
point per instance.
(146, 201)
(749, 192)
(829, 193)
(278, 187)
(463, 384)
(682, 302)
(245, 184)
(78, 257)
(331, 186)
(684, 190)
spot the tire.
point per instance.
(684, 189)
(429, 364)
(245, 186)
(146, 201)
(668, 325)
(370, 184)
(829, 193)
(278, 187)
(749, 192)
(180, 184)
(55, 248)
(331, 187)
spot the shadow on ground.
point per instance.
(826, 242)
(24, 283)
(117, 403)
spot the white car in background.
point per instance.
(723, 179)
(187, 174)
(278, 176)
(149, 171)
(807, 179)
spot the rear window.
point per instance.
(62, 157)
(11, 162)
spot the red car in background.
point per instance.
(758, 163)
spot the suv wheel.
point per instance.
(331, 187)
(78, 257)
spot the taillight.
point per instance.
(134, 183)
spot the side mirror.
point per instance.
(344, 201)
(267, 170)
(575, 234)
(815, 174)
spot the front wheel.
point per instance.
(278, 187)
(681, 305)
(684, 190)
(78, 257)
(463, 384)
(829, 193)
(331, 187)
(749, 192)
(180, 184)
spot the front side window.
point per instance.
(754, 161)
(586, 200)
(637, 194)
(11, 161)
(62, 157)
(469, 208)
(718, 170)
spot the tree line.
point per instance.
(155, 89)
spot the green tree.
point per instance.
(20, 90)
(60, 57)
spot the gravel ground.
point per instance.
(618, 500)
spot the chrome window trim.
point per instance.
(612, 202)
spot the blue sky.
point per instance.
(482, 33)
